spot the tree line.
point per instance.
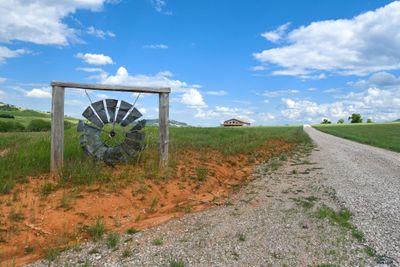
(354, 118)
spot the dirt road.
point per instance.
(367, 180)
(273, 221)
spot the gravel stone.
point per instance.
(367, 181)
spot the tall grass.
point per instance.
(29, 153)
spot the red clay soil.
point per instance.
(31, 223)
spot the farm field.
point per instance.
(40, 213)
(380, 135)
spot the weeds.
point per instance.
(306, 202)
(201, 173)
(283, 157)
(46, 189)
(93, 251)
(16, 216)
(341, 218)
(242, 237)
(370, 251)
(126, 253)
(357, 234)
(153, 204)
(65, 202)
(97, 231)
(157, 241)
(52, 254)
(29, 249)
(112, 240)
(132, 231)
(176, 263)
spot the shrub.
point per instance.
(39, 125)
(11, 126)
(7, 116)
(341, 121)
(326, 121)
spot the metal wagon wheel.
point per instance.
(113, 134)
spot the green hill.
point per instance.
(172, 123)
(14, 118)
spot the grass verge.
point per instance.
(385, 135)
(28, 154)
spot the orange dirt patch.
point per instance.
(31, 223)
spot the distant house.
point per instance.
(235, 122)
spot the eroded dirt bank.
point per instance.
(32, 224)
(284, 217)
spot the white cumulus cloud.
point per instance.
(193, 98)
(41, 22)
(99, 33)
(6, 53)
(361, 45)
(156, 46)
(43, 92)
(161, 79)
(378, 104)
(277, 34)
(95, 59)
(216, 93)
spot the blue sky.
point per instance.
(267, 62)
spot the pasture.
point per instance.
(385, 135)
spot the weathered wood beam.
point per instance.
(57, 129)
(163, 132)
(107, 87)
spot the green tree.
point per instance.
(326, 121)
(370, 121)
(355, 118)
(341, 121)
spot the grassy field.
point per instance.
(27, 154)
(25, 116)
(381, 135)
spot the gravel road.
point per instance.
(273, 221)
(367, 180)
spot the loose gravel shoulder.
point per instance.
(273, 221)
(367, 181)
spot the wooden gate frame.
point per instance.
(57, 118)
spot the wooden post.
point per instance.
(163, 129)
(57, 129)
